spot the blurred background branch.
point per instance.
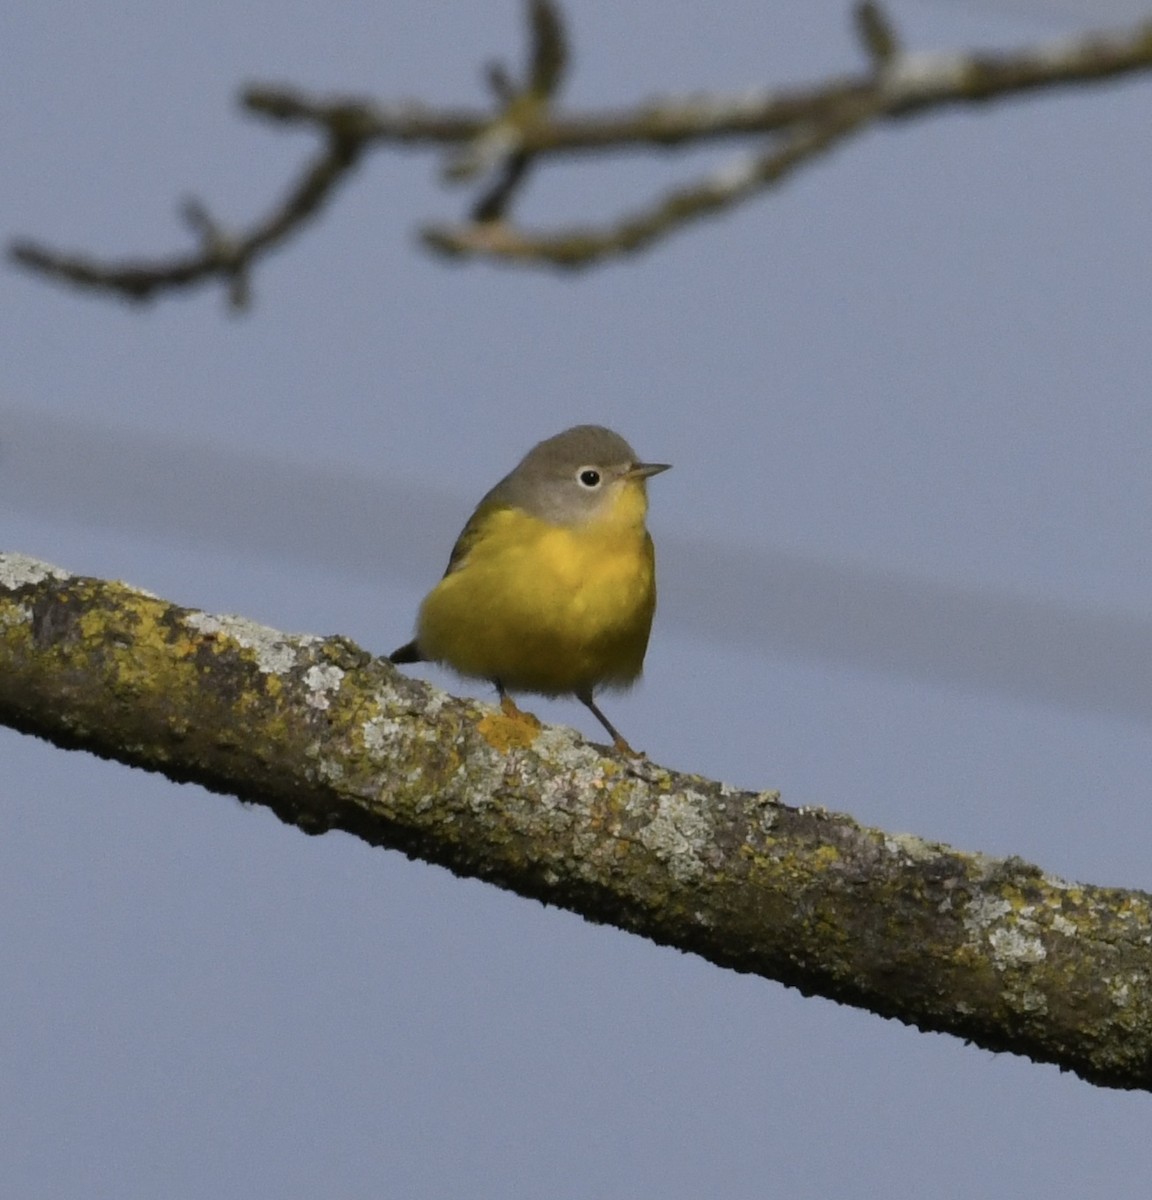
(494, 151)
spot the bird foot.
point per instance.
(622, 747)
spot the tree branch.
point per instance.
(801, 125)
(993, 951)
(221, 256)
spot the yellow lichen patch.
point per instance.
(825, 856)
(134, 663)
(504, 732)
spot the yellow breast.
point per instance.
(548, 608)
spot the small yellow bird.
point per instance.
(551, 585)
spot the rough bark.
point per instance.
(994, 951)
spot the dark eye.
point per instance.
(589, 477)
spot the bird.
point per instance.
(551, 585)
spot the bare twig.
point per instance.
(499, 147)
(220, 256)
(581, 247)
(548, 54)
(922, 82)
(877, 34)
(492, 206)
(525, 129)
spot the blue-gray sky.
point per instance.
(904, 571)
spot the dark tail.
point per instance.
(406, 654)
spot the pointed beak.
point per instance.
(646, 470)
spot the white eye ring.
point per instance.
(589, 478)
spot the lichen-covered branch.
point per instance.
(994, 951)
(787, 128)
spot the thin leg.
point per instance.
(510, 708)
(618, 741)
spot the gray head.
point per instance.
(570, 478)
